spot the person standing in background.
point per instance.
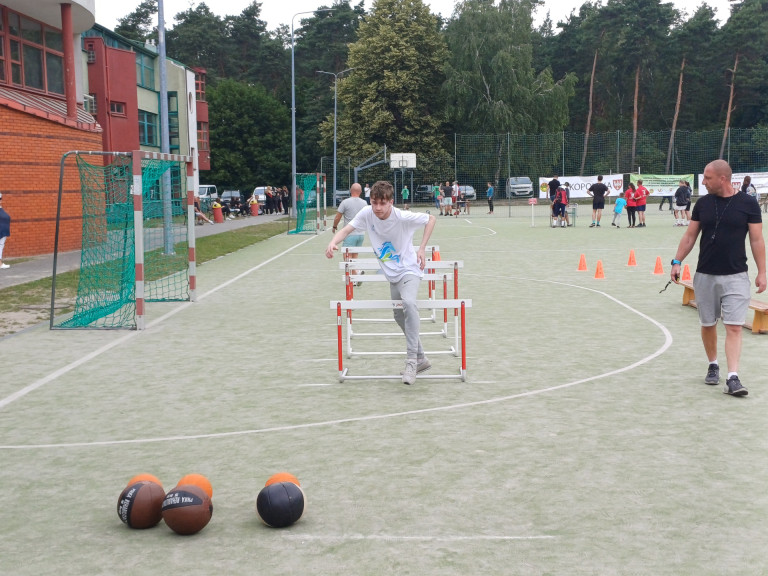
(629, 196)
(5, 231)
(489, 195)
(598, 191)
(641, 194)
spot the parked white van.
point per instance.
(519, 187)
(207, 191)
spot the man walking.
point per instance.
(724, 217)
(349, 208)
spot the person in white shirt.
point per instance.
(391, 233)
(349, 208)
(368, 193)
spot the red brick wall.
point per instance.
(30, 155)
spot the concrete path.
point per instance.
(38, 267)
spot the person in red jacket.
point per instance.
(640, 195)
(629, 196)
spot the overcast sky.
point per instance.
(277, 12)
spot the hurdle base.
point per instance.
(344, 375)
(452, 351)
(352, 334)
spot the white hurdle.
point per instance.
(452, 266)
(458, 305)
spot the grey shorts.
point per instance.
(722, 296)
(353, 240)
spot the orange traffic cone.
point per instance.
(599, 271)
(436, 257)
(659, 269)
(582, 263)
(632, 261)
(686, 273)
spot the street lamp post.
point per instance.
(335, 98)
(293, 110)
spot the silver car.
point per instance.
(468, 192)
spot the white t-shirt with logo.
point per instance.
(392, 239)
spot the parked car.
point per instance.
(207, 191)
(423, 193)
(227, 195)
(468, 192)
(261, 194)
(520, 186)
(340, 195)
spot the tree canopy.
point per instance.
(418, 78)
(392, 96)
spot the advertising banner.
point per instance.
(661, 184)
(580, 184)
(759, 181)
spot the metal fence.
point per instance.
(480, 158)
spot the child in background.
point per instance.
(618, 209)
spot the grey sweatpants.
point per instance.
(407, 290)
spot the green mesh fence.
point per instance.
(166, 245)
(106, 295)
(306, 203)
(480, 158)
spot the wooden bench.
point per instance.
(759, 324)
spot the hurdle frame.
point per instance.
(366, 264)
(459, 305)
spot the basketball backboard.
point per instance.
(402, 161)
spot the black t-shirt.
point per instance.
(728, 220)
(554, 184)
(598, 190)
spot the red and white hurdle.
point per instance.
(458, 305)
(451, 266)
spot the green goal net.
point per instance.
(133, 249)
(310, 203)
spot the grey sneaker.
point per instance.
(734, 387)
(422, 365)
(713, 375)
(409, 374)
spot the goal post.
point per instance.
(138, 237)
(311, 204)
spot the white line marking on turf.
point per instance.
(107, 347)
(392, 538)
(664, 347)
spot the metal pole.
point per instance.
(293, 110)
(165, 140)
(335, 100)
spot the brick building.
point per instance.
(66, 84)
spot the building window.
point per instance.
(31, 54)
(147, 128)
(117, 108)
(202, 136)
(89, 104)
(200, 87)
(174, 132)
(145, 70)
